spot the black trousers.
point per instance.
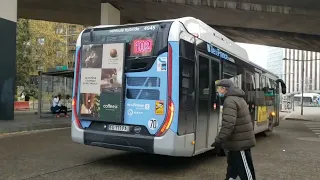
(62, 109)
(240, 165)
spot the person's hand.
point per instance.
(217, 146)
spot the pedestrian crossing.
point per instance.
(314, 127)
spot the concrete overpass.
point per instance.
(282, 23)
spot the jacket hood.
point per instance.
(235, 92)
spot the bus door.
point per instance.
(215, 103)
(204, 103)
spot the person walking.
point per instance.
(237, 133)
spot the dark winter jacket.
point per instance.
(236, 132)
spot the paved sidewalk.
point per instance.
(309, 114)
(28, 122)
(29, 112)
(23, 113)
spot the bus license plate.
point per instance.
(120, 128)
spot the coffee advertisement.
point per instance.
(101, 82)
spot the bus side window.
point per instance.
(186, 96)
(259, 92)
(243, 83)
(263, 89)
(270, 92)
(250, 93)
(239, 79)
(187, 50)
(253, 89)
(232, 78)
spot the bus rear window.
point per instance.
(140, 40)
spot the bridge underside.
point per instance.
(272, 38)
(288, 24)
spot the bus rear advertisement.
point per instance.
(150, 87)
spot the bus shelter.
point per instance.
(51, 84)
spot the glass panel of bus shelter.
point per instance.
(51, 87)
(203, 103)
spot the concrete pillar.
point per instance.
(8, 21)
(109, 15)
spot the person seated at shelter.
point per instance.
(57, 108)
(26, 97)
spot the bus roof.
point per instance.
(206, 33)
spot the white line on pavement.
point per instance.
(30, 132)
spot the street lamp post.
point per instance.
(302, 86)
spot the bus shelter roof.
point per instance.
(63, 73)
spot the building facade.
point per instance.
(295, 76)
(275, 60)
(70, 32)
(287, 64)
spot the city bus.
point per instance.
(150, 87)
(309, 99)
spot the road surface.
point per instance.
(291, 153)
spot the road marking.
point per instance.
(3, 135)
(314, 127)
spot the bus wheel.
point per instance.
(269, 131)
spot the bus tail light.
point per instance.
(76, 85)
(168, 121)
(170, 106)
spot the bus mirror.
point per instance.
(283, 86)
(284, 90)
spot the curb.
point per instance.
(21, 113)
(300, 119)
(31, 132)
(35, 127)
(284, 111)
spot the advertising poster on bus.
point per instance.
(262, 114)
(111, 82)
(101, 82)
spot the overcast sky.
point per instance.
(257, 53)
